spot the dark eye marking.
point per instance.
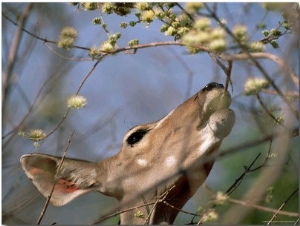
(136, 136)
(212, 85)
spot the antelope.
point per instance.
(159, 167)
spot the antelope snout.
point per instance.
(221, 122)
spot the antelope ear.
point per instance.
(75, 178)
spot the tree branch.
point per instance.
(264, 55)
(55, 179)
(267, 209)
(13, 54)
(283, 204)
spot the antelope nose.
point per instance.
(221, 122)
(212, 85)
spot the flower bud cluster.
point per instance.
(203, 34)
(76, 101)
(255, 85)
(67, 38)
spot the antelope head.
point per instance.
(160, 165)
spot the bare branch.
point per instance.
(267, 209)
(266, 178)
(13, 54)
(29, 111)
(268, 112)
(283, 204)
(264, 55)
(78, 90)
(239, 180)
(54, 183)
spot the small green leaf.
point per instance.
(123, 24)
(97, 20)
(274, 44)
(133, 42)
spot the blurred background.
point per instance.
(125, 90)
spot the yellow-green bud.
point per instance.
(123, 24)
(193, 38)
(68, 32)
(275, 32)
(182, 31)
(193, 7)
(159, 14)
(97, 20)
(171, 31)
(255, 85)
(265, 33)
(133, 42)
(202, 37)
(94, 52)
(202, 23)
(22, 132)
(185, 20)
(256, 47)
(217, 33)
(274, 43)
(139, 214)
(240, 32)
(217, 45)
(107, 47)
(76, 101)
(142, 6)
(210, 216)
(221, 198)
(108, 8)
(148, 16)
(89, 5)
(67, 37)
(36, 135)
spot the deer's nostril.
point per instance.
(212, 85)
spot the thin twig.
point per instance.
(38, 37)
(217, 61)
(263, 55)
(228, 75)
(267, 209)
(186, 67)
(265, 160)
(68, 110)
(86, 77)
(120, 212)
(160, 199)
(181, 210)
(13, 54)
(183, 10)
(268, 112)
(55, 178)
(36, 98)
(227, 70)
(239, 180)
(28, 111)
(283, 204)
(64, 57)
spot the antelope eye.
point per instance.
(136, 136)
(212, 85)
